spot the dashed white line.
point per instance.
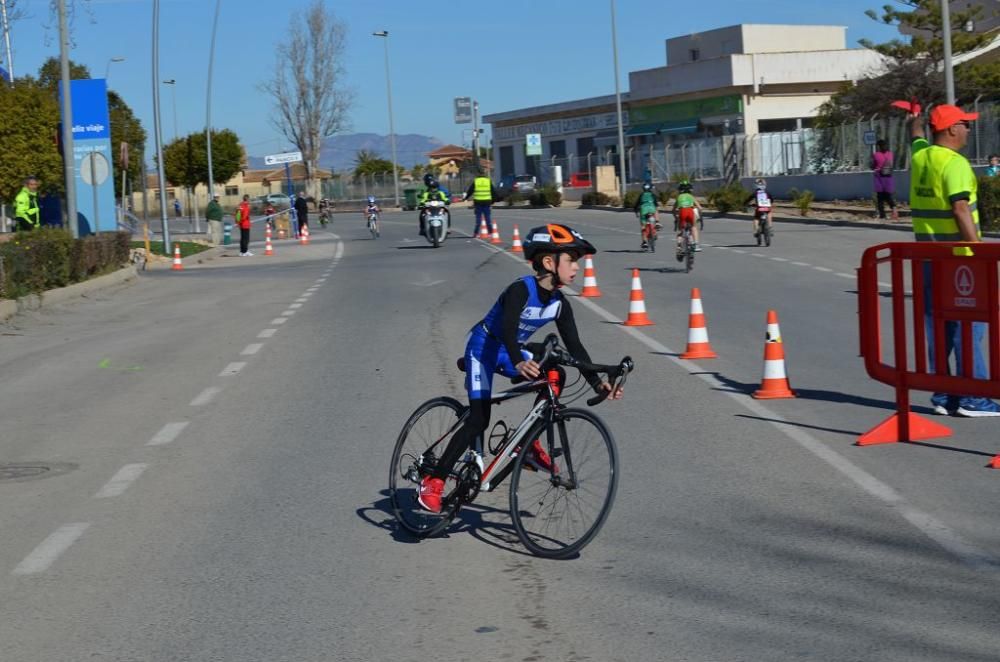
(295, 305)
(722, 248)
(842, 275)
(121, 480)
(802, 264)
(758, 254)
(279, 320)
(823, 269)
(205, 396)
(267, 333)
(321, 280)
(50, 549)
(233, 369)
(736, 250)
(252, 349)
(170, 431)
(779, 259)
(289, 313)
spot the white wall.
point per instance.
(786, 38)
(779, 107)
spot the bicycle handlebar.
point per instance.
(617, 374)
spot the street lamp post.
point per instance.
(208, 103)
(158, 133)
(173, 93)
(69, 169)
(949, 73)
(392, 132)
(107, 69)
(618, 104)
(6, 39)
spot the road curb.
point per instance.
(9, 308)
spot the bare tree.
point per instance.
(310, 98)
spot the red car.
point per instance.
(579, 180)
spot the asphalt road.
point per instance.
(220, 440)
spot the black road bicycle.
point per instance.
(764, 232)
(555, 511)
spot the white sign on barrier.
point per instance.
(533, 143)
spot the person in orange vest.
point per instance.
(243, 220)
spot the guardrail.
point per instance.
(953, 289)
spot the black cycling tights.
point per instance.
(475, 424)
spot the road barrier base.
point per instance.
(887, 432)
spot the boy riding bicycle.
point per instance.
(686, 209)
(645, 209)
(762, 202)
(496, 344)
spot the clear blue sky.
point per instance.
(517, 53)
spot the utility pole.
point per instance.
(69, 158)
(949, 72)
(618, 103)
(6, 39)
(475, 133)
(208, 102)
(392, 131)
(161, 179)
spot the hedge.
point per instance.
(49, 258)
(989, 203)
(546, 195)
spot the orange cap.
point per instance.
(946, 116)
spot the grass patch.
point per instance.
(187, 247)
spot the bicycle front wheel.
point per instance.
(556, 513)
(420, 444)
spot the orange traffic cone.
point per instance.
(994, 463)
(495, 237)
(589, 279)
(516, 246)
(698, 346)
(281, 232)
(304, 235)
(637, 304)
(775, 382)
(484, 232)
(268, 248)
(178, 265)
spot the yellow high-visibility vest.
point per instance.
(482, 192)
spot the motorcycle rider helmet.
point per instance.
(371, 199)
(647, 187)
(429, 180)
(760, 185)
(684, 186)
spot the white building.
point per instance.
(733, 80)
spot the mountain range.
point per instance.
(338, 151)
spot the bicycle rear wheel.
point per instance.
(433, 421)
(688, 252)
(555, 516)
(652, 239)
(767, 235)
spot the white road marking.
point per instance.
(722, 248)
(267, 333)
(50, 549)
(802, 264)
(736, 250)
(121, 480)
(294, 305)
(289, 313)
(927, 524)
(823, 269)
(205, 396)
(252, 349)
(170, 431)
(779, 259)
(850, 276)
(232, 369)
(758, 254)
(279, 320)
(321, 280)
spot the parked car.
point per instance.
(579, 180)
(279, 200)
(523, 184)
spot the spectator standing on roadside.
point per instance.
(213, 213)
(483, 193)
(243, 220)
(177, 207)
(302, 211)
(993, 169)
(885, 185)
(27, 215)
(943, 203)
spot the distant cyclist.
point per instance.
(645, 209)
(685, 211)
(371, 207)
(763, 203)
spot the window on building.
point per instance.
(695, 54)
(557, 148)
(232, 190)
(776, 125)
(507, 161)
(584, 146)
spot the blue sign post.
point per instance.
(92, 158)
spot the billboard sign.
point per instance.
(92, 157)
(463, 110)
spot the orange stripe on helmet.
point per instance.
(559, 234)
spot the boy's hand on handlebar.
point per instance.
(615, 393)
(528, 369)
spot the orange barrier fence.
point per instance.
(961, 281)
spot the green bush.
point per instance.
(802, 199)
(596, 199)
(989, 203)
(49, 258)
(514, 198)
(631, 197)
(727, 198)
(547, 195)
(663, 198)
